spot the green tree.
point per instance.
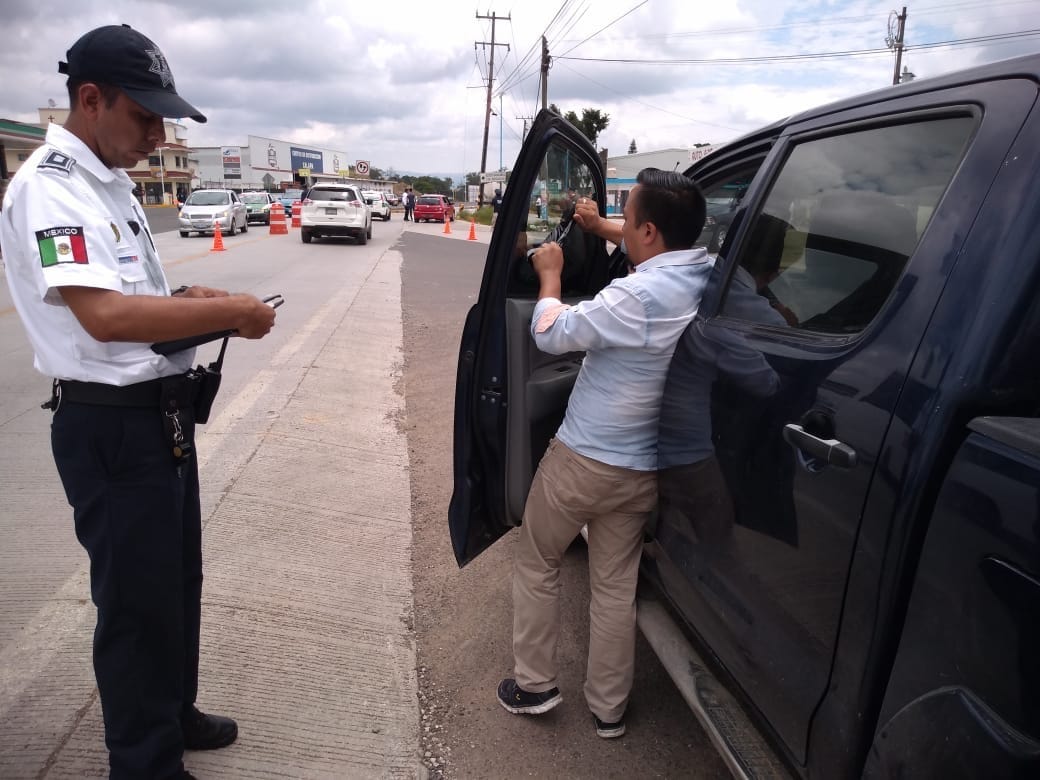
(632, 147)
(592, 121)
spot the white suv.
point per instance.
(335, 210)
(380, 205)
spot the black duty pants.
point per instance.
(139, 519)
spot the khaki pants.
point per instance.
(569, 491)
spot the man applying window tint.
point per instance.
(600, 469)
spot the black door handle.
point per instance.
(830, 450)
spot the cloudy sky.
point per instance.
(401, 83)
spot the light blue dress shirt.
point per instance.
(629, 331)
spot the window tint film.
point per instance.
(563, 177)
(840, 223)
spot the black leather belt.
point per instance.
(143, 394)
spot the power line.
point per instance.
(609, 24)
(804, 57)
(506, 82)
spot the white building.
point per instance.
(622, 170)
(267, 164)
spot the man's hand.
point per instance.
(547, 262)
(257, 318)
(586, 214)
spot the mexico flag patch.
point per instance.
(61, 245)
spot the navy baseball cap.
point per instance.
(119, 55)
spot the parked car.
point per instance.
(288, 198)
(434, 207)
(204, 208)
(378, 203)
(843, 574)
(258, 206)
(335, 210)
(721, 205)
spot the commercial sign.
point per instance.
(231, 160)
(306, 158)
(285, 158)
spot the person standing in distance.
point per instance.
(600, 469)
(89, 287)
(496, 206)
(409, 205)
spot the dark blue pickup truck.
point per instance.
(843, 575)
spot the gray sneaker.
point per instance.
(521, 702)
(609, 730)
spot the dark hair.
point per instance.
(673, 203)
(109, 92)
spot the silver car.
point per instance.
(378, 202)
(335, 210)
(205, 208)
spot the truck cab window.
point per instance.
(842, 219)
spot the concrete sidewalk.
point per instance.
(307, 604)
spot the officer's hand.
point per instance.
(198, 291)
(548, 259)
(256, 318)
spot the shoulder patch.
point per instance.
(62, 245)
(57, 161)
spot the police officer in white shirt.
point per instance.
(87, 282)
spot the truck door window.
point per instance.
(563, 178)
(840, 222)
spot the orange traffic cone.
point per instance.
(218, 240)
(472, 230)
(447, 226)
(278, 227)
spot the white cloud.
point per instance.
(400, 83)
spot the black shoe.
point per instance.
(207, 732)
(520, 702)
(609, 730)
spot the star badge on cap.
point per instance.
(159, 66)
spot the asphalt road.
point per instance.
(162, 219)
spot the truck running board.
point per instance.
(741, 746)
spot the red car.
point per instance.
(436, 207)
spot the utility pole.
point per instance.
(545, 73)
(491, 79)
(896, 41)
(525, 118)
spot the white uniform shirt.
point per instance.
(68, 220)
